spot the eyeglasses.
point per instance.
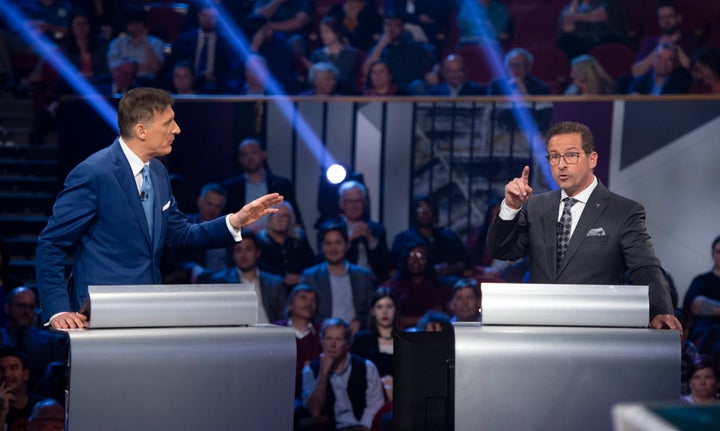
(570, 158)
(416, 255)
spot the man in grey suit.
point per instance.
(582, 233)
(345, 290)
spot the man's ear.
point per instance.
(140, 131)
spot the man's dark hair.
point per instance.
(297, 289)
(335, 321)
(465, 283)
(140, 105)
(565, 127)
(670, 4)
(215, 188)
(7, 351)
(330, 226)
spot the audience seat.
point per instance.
(386, 408)
(165, 20)
(537, 26)
(552, 66)
(616, 58)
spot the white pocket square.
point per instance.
(166, 206)
(596, 232)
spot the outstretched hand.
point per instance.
(518, 191)
(255, 210)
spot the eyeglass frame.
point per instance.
(557, 157)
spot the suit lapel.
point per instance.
(549, 223)
(125, 178)
(594, 207)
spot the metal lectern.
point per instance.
(558, 357)
(179, 357)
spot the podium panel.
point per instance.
(558, 378)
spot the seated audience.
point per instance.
(183, 79)
(16, 402)
(344, 387)
(426, 20)
(257, 77)
(446, 252)
(380, 81)
(665, 77)
(493, 17)
(47, 17)
(106, 17)
(702, 306)
(285, 248)
(410, 62)
(519, 80)
(456, 83)
(323, 78)
(376, 342)
(85, 51)
(47, 415)
(274, 48)
(703, 383)
(137, 48)
(465, 299)
(270, 290)
(434, 321)
(416, 286)
(345, 289)
(589, 78)
(585, 24)
(336, 50)
(361, 22)
(290, 17)
(669, 22)
(40, 346)
(302, 303)
(705, 70)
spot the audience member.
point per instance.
(257, 77)
(86, 52)
(589, 78)
(416, 286)
(256, 180)
(446, 252)
(585, 24)
(208, 51)
(368, 240)
(275, 49)
(41, 347)
(137, 48)
(192, 266)
(345, 289)
(106, 17)
(270, 289)
(16, 402)
(361, 22)
(47, 415)
(381, 82)
(518, 64)
(705, 70)
(285, 248)
(336, 50)
(48, 17)
(483, 22)
(665, 77)
(465, 300)
(456, 83)
(376, 342)
(701, 306)
(426, 20)
(434, 321)
(703, 382)
(301, 308)
(123, 79)
(323, 79)
(345, 387)
(183, 79)
(290, 17)
(409, 61)
(669, 20)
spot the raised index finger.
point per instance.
(525, 174)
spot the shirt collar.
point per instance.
(584, 195)
(135, 163)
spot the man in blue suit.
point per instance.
(582, 233)
(113, 220)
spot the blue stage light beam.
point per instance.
(15, 19)
(241, 46)
(485, 34)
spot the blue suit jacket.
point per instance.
(98, 220)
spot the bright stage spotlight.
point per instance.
(336, 173)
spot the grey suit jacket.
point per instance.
(609, 242)
(363, 288)
(272, 289)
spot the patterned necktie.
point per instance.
(146, 196)
(564, 226)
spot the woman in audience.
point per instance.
(376, 342)
(323, 79)
(380, 81)
(183, 78)
(85, 51)
(705, 69)
(416, 286)
(361, 22)
(336, 50)
(285, 249)
(703, 382)
(589, 77)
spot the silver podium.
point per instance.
(558, 357)
(180, 357)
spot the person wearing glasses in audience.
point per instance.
(593, 236)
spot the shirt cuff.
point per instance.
(506, 213)
(235, 233)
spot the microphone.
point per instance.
(143, 196)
